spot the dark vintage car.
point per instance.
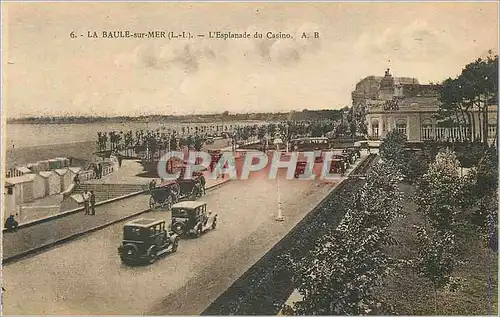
(191, 188)
(343, 162)
(164, 196)
(300, 168)
(192, 218)
(352, 153)
(146, 239)
(337, 166)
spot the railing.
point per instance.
(14, 172)
(90, 174)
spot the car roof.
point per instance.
(143, 222)
(189, 204)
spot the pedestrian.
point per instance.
(119, 161)
(152, 184)
(86, 202)
(76, 180)
(11, 223)
(92, 202)
(99, 169)
(202, 185)
(96, 172)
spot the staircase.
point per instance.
(108, 191)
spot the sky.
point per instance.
(45, 72)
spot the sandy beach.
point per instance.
(80, 151)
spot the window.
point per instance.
(492, 129)
(401, 127)
(10, 190)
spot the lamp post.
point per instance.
(279, 217)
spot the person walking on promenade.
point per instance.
(92, 202)
(76, 180)
(86, 202)
(96, 172)
(99, 170)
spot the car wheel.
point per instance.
(214, 224)
(152, 256)
(124, 261)
(199, 231)
(175, 244)
(178, 228)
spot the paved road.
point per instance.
(86, 276)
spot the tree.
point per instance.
(474, 89)
(439, 193)
(480, 194)
(437, 259)
(341, 273)
(393, 150)
(439, 198)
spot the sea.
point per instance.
(19, 136)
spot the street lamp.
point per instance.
(279, 217)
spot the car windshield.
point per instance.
(182, 212)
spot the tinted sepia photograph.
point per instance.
(249, 158)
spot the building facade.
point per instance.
(402, 103)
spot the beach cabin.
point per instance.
(34, 168)
(65, 178)
(8, 201)
(22, 188)
(24, 170)
(39, 186)
(52, 182)
(44, 165)
(64, 162)
(54, 164)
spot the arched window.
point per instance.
(401, 126)
(427, 132)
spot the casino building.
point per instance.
(402, 103)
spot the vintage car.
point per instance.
(146, 239)
(337, 166)
(192, 218)
(352, 153)
(191, 188)
(299, 168)
(345, 164)
(164, 196)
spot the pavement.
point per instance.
(27, 238)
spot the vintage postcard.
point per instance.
(257, 158)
